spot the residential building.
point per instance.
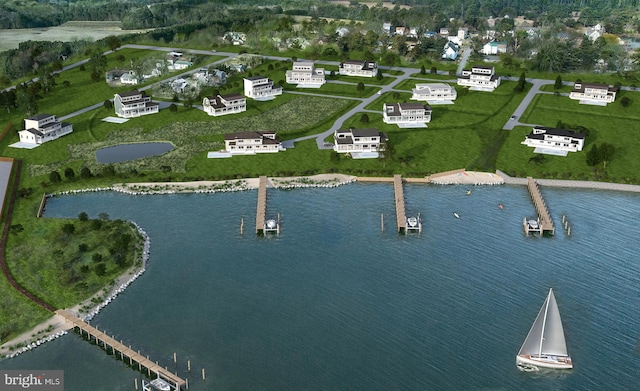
(406, 113)
(305, 74)
(479, 78)
(41, 128)
(358, 68)
(450, 51)
(463, 32)
(594, 32)
(224, 104)
(493, 48)
(593, 93)
(128, 78)
(358, 140)
(260, 87)
(249, 143)
(134, 104)
(554, 141)
(434, 93)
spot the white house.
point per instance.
(479, 78)
(494, 47)
(249, 143)
(463, 32)
(594, 32)
(128, 78)
(358, 68)
(305, 74)
(224, 104)
(41, 128)
(134, 104)
(406, 115)
(342, 31)
(260, 87)
(434, 93)
(358, 141)
(593, 93)
(450, 51)
(554, 141)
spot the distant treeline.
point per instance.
(136, 14)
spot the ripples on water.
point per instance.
(335, 303)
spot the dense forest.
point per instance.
(135, 14)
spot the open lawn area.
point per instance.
(612, 124)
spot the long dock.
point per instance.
(546, 224)
(123, 351)
(262, 205)
(401, 217)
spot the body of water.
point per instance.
(336, 303)
(125, 152)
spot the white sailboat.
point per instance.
(545, 346)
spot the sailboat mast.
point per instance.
(544, 321)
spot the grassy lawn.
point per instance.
(613, 124)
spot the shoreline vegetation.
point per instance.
(56, 326)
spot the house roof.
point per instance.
(39, 117)
(254, 78)
(129, 93)
(232, 96)
(35, 131)
(251, 135)
(580, 87)
(366, 132)
(553, 132)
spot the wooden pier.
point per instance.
(126, 353)
(264, 226)
(545, 224)
(262, 205)
(401, 217)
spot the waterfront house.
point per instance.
(224, 104)
(134, 104)
(434, 93)
(305, 74)
(358, 68)
(554, 141)
(406, 115)
(41, 128)
(249, 143)
(593, 93)
(358, 140)
(479, 78)
(260, 87)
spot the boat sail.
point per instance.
(545, 346)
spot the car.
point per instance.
(380, 92)
(513, 117)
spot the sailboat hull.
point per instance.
(553, 362)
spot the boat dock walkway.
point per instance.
(119, 349)
(546, 224)
(262, 204)
(401, 217)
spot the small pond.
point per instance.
(125, 152)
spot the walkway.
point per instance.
(124, 351)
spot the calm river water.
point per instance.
(335, 303)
